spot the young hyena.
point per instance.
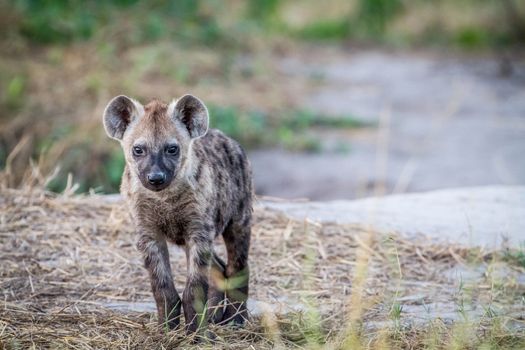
(186, 184)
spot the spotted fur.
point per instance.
(186, 185)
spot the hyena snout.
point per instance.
(157, 175)
(157, 178)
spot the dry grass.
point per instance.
(65, 259)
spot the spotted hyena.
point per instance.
(186, 184)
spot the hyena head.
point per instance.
(156, 138)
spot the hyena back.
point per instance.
(186, 184)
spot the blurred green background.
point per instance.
(63, 60)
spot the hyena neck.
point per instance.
(186, 178)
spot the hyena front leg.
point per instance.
(199, 257)
(237, 240)
(156, 260)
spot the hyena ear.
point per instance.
(119, 113)
(192, 113)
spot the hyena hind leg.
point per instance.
(216, 291)
(237, 240)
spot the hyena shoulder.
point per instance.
(226, 157)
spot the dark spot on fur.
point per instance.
(240, 207)
(218, 217)
(198, 172)
(242, 169)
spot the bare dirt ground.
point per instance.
(68, 264)
(439, 121)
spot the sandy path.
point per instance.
(441, 122)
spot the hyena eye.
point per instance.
(172, 150)
(138, 151)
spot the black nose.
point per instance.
(156, 178)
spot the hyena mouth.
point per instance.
(156, 188)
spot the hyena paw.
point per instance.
(235, 315)
(170, 324)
